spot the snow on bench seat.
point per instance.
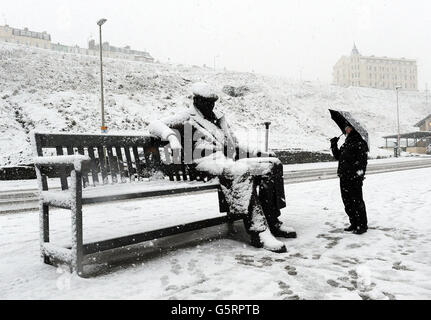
(104, 193)
(143, 189)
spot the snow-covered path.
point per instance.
(392, 260)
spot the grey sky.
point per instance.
(292, 38)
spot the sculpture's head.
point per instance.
(204, 97)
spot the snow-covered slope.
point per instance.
(51, 91)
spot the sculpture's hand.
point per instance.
(174, 142)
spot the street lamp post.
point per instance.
(398, 121)
(267, 124)
(103, 127)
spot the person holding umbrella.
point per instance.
(352, 164)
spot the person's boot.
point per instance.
(267, 241)
(278, 229)
(351, 228)
(360, 230)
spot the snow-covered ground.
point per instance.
(51, 91)
(391, 261)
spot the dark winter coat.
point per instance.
(352, 157)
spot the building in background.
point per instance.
(43, 40)
(25, 37)
(375, 72)
(117, 52)
(424, 124)
(415, 142)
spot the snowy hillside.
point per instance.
(50, 91)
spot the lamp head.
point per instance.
(101, 22)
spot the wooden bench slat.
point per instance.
(184, 172)
(63, 177)
(137, 162)
(108, 165)
(168, 163)
(120, 161)
(102, 163)
(129, 164)
(94, 166)
(112, 165)
(147, 152)
(149, 163)
(177, 169)
(84, 171)
(177, 164)
(192, 172)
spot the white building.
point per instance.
(375, 72)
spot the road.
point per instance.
(297, 176)
(15, 201)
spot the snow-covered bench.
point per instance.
(101, 168)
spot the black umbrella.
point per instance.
(344, 119)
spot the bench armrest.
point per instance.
(62, 161)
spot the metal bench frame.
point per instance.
(121, 166)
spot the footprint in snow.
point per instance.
(399, 266)
(291, 270)
(286, 293)
(333, 241)
(337, 230)
(175, 267)
(164, 280)
(333, 283)
(298, 255)
(192, 265)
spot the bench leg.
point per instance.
(77, 245)
(44, 229)
(77, 234)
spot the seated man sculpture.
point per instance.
(251, 181)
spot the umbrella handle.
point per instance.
(341, 135)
